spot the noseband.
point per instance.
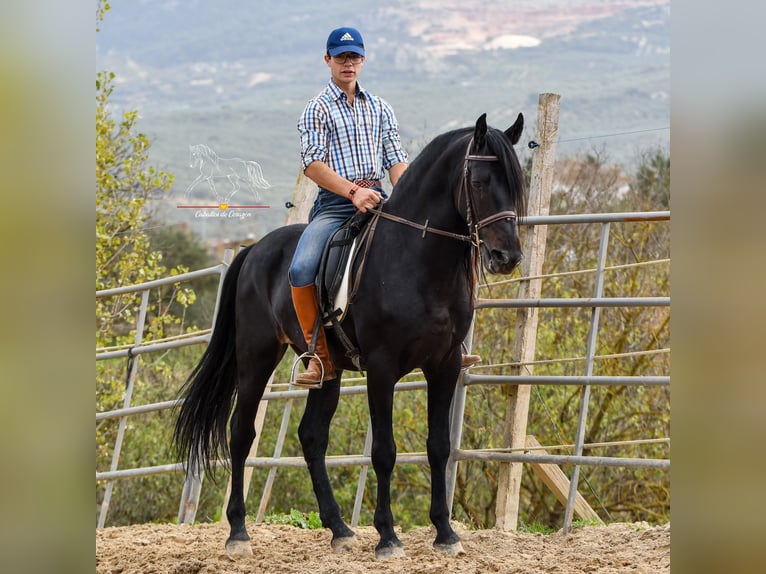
(465, 186)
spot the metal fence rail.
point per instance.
(595, 303)
(458, 454)
(139, 348)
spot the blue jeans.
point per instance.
(328, 214)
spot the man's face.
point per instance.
(345, 67)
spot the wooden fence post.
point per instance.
(558, 483)
(303, 199)
(517, 410)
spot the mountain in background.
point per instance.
(235, 75)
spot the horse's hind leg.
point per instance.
(314, 432)
(253, 377)
(441, 387)
(233, 180)
(242, 436)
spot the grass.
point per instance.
(310, 521)
(535, 528)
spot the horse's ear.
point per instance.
(513, 133)
(480, 132)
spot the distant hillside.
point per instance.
(235, 75)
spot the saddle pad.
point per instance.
(334, 279)
(340, 303)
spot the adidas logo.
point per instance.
(347, 38)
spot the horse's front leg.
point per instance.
(314, 432)
(380, 396)
(192, 185)
(441, 386)
(209, 179)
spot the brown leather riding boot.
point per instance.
(307, 310)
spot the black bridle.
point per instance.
(465, 186)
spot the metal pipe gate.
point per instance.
(190, 495)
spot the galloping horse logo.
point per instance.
(235, 170)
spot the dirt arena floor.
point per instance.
(185, 549)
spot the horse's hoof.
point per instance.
(455, 549)
(389, 552)
(343, 545)
(238, 549)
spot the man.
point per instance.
(349, 138)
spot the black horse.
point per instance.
(457, 204)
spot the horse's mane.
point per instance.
(498, 144)
(206, 152)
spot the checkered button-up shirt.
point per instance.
(357, 142)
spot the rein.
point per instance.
(464, 187)
(365, 239)
(425, 228)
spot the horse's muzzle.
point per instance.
(502, 261)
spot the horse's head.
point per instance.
(195, 156)
(494, 194)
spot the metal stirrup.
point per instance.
(310, 356)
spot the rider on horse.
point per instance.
(349, 137)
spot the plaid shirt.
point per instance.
(357, 142)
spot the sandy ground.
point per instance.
(184, 549)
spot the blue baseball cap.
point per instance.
(343, 40)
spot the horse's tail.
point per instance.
(209, 392)
(256, 175)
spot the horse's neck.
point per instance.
(428, 197)
(208, 155)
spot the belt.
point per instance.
(367, 182)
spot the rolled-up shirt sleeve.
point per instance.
(313, 131)
(393, 152)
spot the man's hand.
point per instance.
(364, 198)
